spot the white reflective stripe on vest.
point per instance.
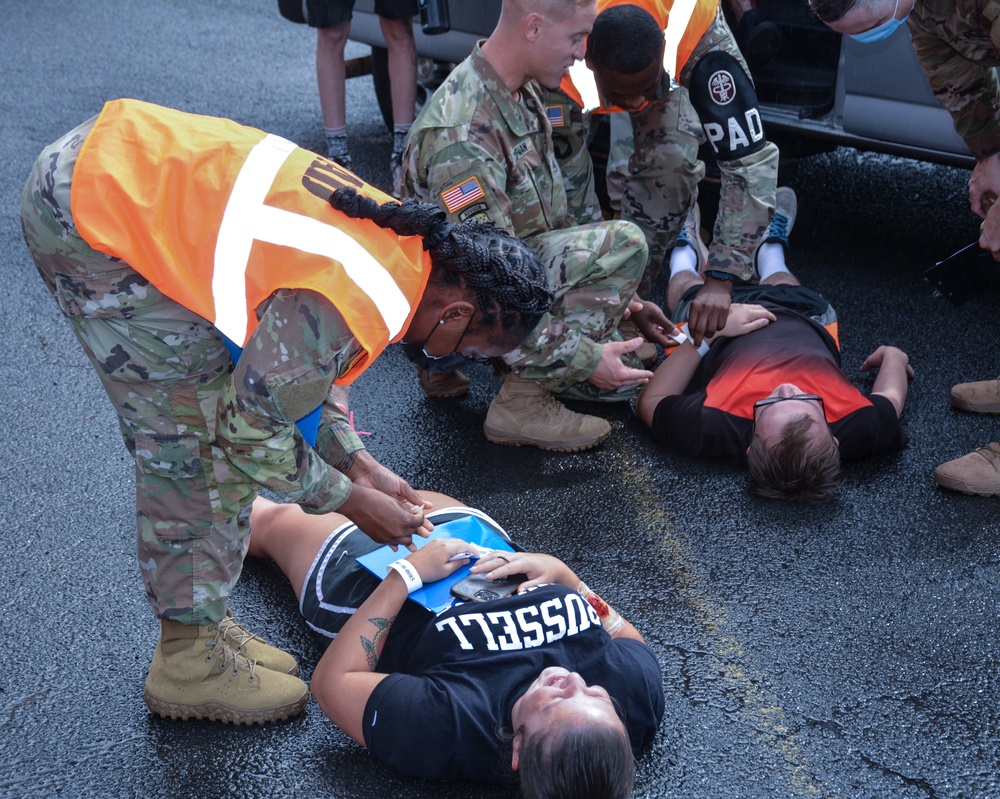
(584, 81)
(677, 24)
(247, 219)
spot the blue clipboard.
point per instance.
(437, 596)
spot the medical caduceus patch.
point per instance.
(722, 87)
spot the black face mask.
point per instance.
(432, 363)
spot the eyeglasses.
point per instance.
(483, 359)
(763, 403)
(768, 401)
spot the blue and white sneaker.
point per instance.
(786, 206)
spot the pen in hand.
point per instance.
(480, 552)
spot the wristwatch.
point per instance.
(720, 275)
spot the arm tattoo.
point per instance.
(373, 648)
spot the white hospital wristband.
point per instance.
(405, 569)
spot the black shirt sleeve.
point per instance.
(870, 430)
(683, 423)
(430, 728)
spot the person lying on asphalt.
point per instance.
(768, 390)
(549, 684)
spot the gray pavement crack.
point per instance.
(916, 782)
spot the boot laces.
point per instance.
(551, 407)
(227, 654)
(243, 636)
(991, 453)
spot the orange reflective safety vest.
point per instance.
(218, 216)
(684, 22)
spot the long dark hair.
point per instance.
(592, 761)
(503, 272)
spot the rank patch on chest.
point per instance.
(459, 196)
(555, 115)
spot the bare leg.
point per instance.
(680, 283)
(330, 75)
(291, 537)
(398, 34)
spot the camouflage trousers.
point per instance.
(163, 368)
(595, 270)
(664, 171)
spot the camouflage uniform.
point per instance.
(664, 172)
(204, 436)
(954, 47)
(479, 151)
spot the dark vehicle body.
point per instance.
(820, 91)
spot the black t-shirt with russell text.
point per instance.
(454, 679)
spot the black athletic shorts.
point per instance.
(327, 13)
(337, 584)
(810, 304)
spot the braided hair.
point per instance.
(503, 272)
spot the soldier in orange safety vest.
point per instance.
(674, 66)
(228, 286)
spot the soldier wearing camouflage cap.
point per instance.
(958, 44)
(176, 244)
(482, 149)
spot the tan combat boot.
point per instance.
(443, 384)
(975, 473)
(246, 643)
(195, 674)
(979, 397)
(525, 413)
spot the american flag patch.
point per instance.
(461, 195)
(555, 114)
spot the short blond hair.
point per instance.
(552, 7)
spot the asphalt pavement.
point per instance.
(843, 651)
